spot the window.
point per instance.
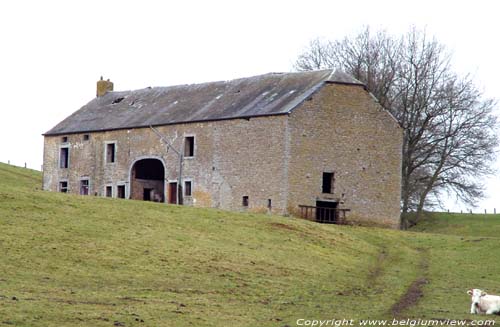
(109, 191)
(110, 152)
(117, 100)
(86, 137)
(245, 201)
(188, 188)
(63, 187)
(84, 187)
(64, 157)
(189, 146)
(120, 190)
(328, 179)
(64, 139)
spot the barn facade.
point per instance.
(282, 142)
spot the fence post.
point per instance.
(495, 210)
(484, 211)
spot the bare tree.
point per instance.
(372, 59)
(449, 136)
(317, 56)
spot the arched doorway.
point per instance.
(147, 180)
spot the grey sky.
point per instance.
(53, 52)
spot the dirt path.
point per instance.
(414, 292)
(379, 265)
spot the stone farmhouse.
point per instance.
(315, 144)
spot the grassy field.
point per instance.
(85, 261)
(487, 225)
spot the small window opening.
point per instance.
(118, 100)
(109, 191)
(84, 187)
(110, 152)
(120, 190)
(64, 158)
(328, 179)
(245, 201)
(86, 137)
(64, 139)
(63, 187)
(269, 204)
(188, 188)
(189, 146)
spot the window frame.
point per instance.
(193, 147)
(115, 151)
(190, 189)
(331, 182)
(84, 179)
(106, 191)
(124, 185)
(61, 147)
(60, 189)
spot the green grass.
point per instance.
(463, 253)
(85, 261)
(486, 225)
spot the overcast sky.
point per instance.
(53, 52)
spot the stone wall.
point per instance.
(342, 129)
(276, 159)
(156, 189)
(232, 159)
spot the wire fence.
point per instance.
(25, 166)
(474, 211)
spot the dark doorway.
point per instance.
(120, 190)
(147, 194)
(148, 180)
(172, 193)
(326, 212)
(84, 187)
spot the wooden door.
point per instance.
(172, 193)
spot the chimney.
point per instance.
(104, 87)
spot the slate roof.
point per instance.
(263, 95)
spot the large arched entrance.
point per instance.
(147, 180)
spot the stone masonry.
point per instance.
(342, 129)
(276, 161)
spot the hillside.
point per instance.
(86, 261)
(461, 224)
